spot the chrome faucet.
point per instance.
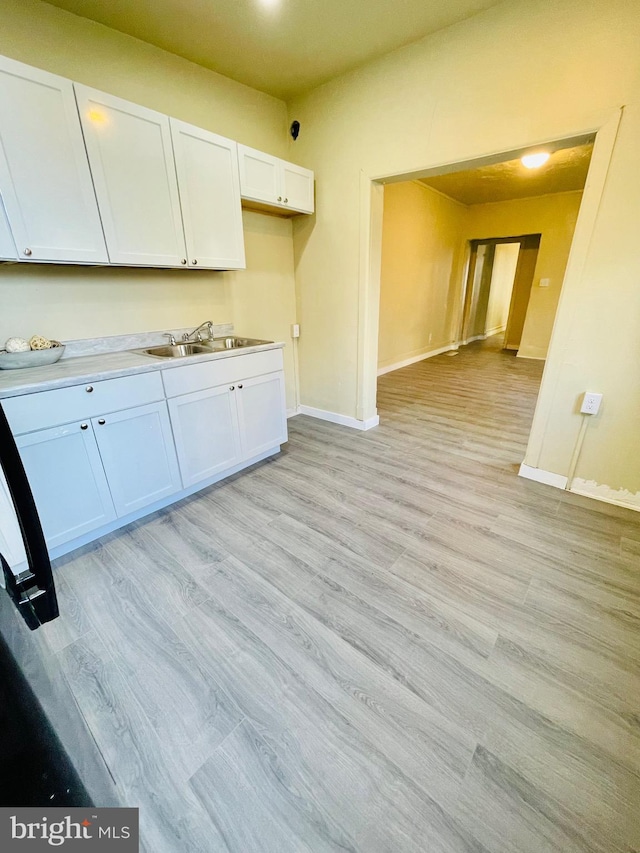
(187, 336)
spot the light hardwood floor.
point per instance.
(382, 642)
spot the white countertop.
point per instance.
(93, 368)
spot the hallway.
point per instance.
(379, 641)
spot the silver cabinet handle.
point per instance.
(286, 201)
(232, 387)
(194, 262)
(101, 421)
(183, 261)
(27, 252)
(279, 198)
(239, 386)
(89, 389)
(84, 426)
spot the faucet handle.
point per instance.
(172, 338)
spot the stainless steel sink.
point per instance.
(176, 350)
(233, 342)
(182, 350)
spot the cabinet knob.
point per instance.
(194, 262)
(279, 198)
(239, 386)
(27, 252)
(183, 261)
(286, 201)
(84, 426)
(89, 389)
(232, 387)
(101, 421)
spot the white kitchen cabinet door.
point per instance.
(7, 246)
(259, 175)
(67, 480)
(139, 459)
(297, 187)
(209, 186)
(205, 428)
(133, 169)
(261, 413)
(45, 180)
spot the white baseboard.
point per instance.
(407, 361)
(291, 413)
(495, 331)
(335, 418)
(541, 476)
(474, 338)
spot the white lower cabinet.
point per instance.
(205, 428)
(134, 448)
(262, 420)
(219, 427)
(67, 480)
(138, 456)
(86, 474)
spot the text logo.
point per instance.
(38, 829)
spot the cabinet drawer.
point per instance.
(208, 374)
(63, 405)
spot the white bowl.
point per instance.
(31, 358)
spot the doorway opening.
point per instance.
(498, 288)
(475, 252)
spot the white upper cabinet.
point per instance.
(259, 175)
(297, 187)
(269, 181)
(44, 174)
(133, 169)
(209, 185)
(7, 246)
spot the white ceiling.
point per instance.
(282, 47)
(565, 170)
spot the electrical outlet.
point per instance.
(590, 403)
(295, 330)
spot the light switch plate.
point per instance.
(544, 282)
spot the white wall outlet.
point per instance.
(590, 403)
(295, 330)
(545, 282)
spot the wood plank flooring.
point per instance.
(380, 642)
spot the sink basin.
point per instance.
(176, 350)
(182, 350)
(233, 342)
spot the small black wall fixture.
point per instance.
(294, 130)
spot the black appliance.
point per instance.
(47, 753)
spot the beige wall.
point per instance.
(422, 256)
(424, 238)
(504, 270)
(563, 68)
(75, 302)
(553, 216)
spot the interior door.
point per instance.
(137, 452)
(45, 180)
(521, 292)
(209, 185)
(132, 163)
